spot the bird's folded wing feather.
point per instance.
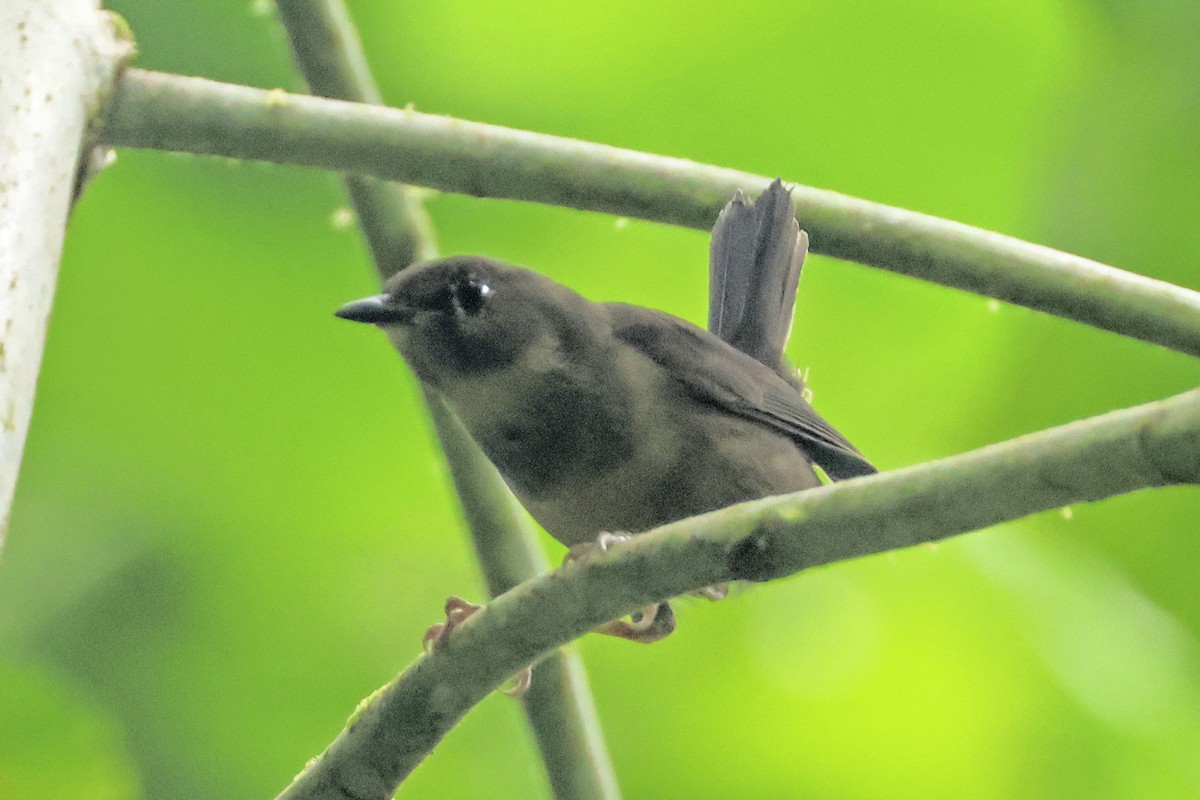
(717, 373)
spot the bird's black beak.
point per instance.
(377, 310)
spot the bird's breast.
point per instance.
(623, 449)
(546, 423)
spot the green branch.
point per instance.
(559, 704)
(170, 112)
(1151, 445)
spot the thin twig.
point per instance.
(170, 112)
(1151, 445)
(559, 705)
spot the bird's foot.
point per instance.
(652, 623)
(520, 683)
(580, 552)
(607, 539)
(718, 591)
(457, 612)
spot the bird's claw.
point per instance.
(654, 622)
(457, 612)
(520, 684)
(651, 624)
(606, 539)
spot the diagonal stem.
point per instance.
(559, 704)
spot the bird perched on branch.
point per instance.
(607, 417)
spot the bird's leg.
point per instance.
(457, 611)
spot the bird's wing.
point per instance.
(719, 374)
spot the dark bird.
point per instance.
(607, 417)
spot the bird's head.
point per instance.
(466, 315)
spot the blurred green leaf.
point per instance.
(56, 742)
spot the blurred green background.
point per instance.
(232, 523)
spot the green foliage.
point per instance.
(232, 523)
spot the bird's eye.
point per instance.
(469, 294)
